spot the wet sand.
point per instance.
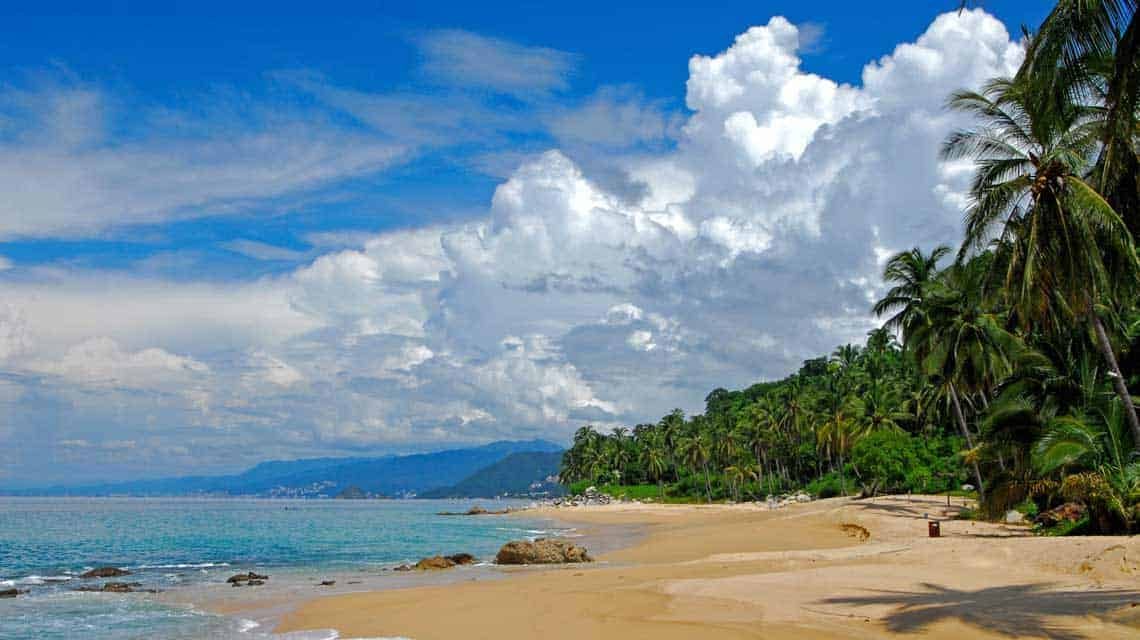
(806, 571)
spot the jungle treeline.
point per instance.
(1006, 363)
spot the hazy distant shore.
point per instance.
(806, 571)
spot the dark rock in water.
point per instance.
(117, 587)
(541, 551)
(461, 558)
(255, 583)
(474, 511)
(9, 593)
(247, 578)
(402, 567)
(327, 583)
(106, 572)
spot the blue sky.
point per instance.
(237, 233)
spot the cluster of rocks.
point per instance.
(591, 496)
(776, 502)
(474, 511)
(436, 563)
(249, 579)
(10, 593)
(541, 551)
(118, 587)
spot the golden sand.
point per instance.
(743, 572)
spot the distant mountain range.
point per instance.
(328, 477)
(519, 474)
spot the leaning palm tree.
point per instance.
(1092, 48)
(1067, 253)
(656, 460)
(909, 271)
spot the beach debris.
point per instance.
(855, 531)
(1014, 517)
(249, 579)
(9, 593)
(1068, 512)
(327, 583)
(105, 572)
(541, 551)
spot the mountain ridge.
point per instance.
(318, 477)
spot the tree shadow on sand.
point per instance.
(1016, 611)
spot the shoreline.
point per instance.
(741, 571)
(266, 606)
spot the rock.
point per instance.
(803, 497)
(327, 583)
(476, 511)
(105, 572)
(967, 487)
(461, 558)
(434, 563)
(541, 551)
(247, 578)
(9, 593)
(1068, 512)
(117, 587)
(402, 567)
(1014, 517)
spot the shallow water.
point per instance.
(192, 546)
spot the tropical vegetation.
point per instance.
(1008, 364)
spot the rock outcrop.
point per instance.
(541, 551)
(1068, 512)
(105, 572)
(461, 558)
(118, 587)
(249, 579)
(9, 593)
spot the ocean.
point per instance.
(186, 548)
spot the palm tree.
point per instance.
(1093, 47)
(656, 460)
(911, 271)
(1067, 252)
(695, 451)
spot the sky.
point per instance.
(232, 235)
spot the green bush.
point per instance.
(827, 486)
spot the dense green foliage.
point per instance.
(1010, 366)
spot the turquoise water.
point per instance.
(179, 544)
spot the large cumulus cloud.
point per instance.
(754, 243)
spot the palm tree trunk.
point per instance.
(708, 485)
(1117, 379)
(969, 440)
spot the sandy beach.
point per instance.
(829, 569)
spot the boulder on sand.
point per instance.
(541, 551)
(105, 572)
(461, 558)
(8, 593)
(1068, 512)
(434, 563)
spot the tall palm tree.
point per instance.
(696, 452)
(1067, 252)
(910, 271)
(1092, 47)
(656, 460)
